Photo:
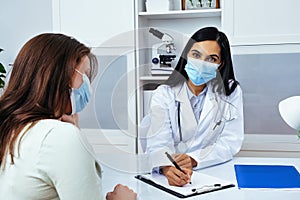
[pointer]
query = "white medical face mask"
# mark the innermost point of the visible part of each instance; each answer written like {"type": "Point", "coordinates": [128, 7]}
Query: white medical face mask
{"type": "Point", "coordinates": [200, 71]}
{"type": "Point", "coordinates": [81, 96]}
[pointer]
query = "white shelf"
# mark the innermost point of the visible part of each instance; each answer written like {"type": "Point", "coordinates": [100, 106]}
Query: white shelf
{"type": "Point", "coordinates": [181, 14]}
{"type": "Point", "coordinates": [154, 78]}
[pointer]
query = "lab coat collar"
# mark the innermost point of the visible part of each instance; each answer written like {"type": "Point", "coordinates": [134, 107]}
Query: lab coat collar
{"type": "Point", "coordinates": [180, 92]}
{"type": "Point", "coordinates": [189, 120]}
{"type": "Point", "coordinates": [189, 125]}
{"type": "Point", "coordinates": [210, 103]}
{"type": "Point", "coordinates": [191, 95]}
{"type": "Point", "coordinates": [182, 97]}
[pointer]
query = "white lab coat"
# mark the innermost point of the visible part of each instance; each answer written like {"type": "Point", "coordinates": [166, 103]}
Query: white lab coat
{"type": "Point", "coordinates": [208, 142]}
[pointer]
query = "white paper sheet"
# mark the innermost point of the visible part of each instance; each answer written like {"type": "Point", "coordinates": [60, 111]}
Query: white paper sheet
{"type": "Point", "coordinates": [199, 183]}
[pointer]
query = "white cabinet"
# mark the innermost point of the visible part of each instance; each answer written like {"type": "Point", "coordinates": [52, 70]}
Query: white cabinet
{"type": "Point", "coordinates": [94, 21]}
{"type": "Point", "coordinates": [265, 40]}
{"type": "Point", "coordinates": [258, 22]}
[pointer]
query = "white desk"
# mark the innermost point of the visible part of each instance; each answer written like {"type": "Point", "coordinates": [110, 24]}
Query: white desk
{"type": "Point", "coordinates": [131, 165]}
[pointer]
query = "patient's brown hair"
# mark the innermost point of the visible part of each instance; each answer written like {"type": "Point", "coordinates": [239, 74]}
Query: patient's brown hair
{"type": "Point", "coordinates": [39, 87]}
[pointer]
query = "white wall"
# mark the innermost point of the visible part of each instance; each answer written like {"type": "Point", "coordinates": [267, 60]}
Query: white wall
{"type": "Point", "coordinates": [19, 21]}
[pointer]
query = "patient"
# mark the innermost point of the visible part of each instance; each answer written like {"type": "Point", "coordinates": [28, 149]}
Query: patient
{"type": "Point", "coordinates": [43, 154]}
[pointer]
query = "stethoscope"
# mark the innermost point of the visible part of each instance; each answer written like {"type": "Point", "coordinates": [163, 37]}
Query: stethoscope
{"type": "Point", "coordinates": [179, 124]}
{"type": "Point", "coordinates": [182, 146]}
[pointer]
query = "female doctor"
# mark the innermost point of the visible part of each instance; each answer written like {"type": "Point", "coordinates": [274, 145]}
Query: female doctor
{"type": "Point", "coordinates": [197, 115]}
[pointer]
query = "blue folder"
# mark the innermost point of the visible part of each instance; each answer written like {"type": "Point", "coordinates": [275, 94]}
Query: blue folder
{"type": "Point", "coordinates": [267, 176]}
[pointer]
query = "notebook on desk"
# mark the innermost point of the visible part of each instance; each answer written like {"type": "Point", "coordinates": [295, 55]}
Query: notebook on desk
{"type": "Point", "coordinates": [267, 176]}
{"type": "Point", "coordinates": [201, 183]}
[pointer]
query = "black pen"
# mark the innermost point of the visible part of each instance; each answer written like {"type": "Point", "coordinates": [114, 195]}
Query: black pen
{"type": "Point", "coordinates": [174, 163]}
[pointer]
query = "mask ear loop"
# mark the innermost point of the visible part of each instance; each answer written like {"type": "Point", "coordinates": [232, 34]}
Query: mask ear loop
{"type": "Point", "coordinates": [89, 78]}
{"type": "Point", "coordinates": [79, 72]}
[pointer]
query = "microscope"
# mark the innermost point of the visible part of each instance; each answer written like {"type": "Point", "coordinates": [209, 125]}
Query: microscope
{"type": "Point", "coordinates": [163, 54]}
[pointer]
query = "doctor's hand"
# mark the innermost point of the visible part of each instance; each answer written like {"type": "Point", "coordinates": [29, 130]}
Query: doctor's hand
{"type": "Point", "coordinates": [176, 177]}
{"type": "Point", "coordinates": [184, 161]}
{"type": "Point", "coordinates": [121, 192]}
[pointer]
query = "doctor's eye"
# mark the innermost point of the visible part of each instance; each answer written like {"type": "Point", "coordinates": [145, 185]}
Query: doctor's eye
{"type": "Point", "coordinates": [195, 54]}
{"type": "Point", "coordinates": [211, 59]}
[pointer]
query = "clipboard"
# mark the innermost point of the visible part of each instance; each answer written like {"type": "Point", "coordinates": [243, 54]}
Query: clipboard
{"type": "Point", "coordinates": [267, 176]}
{"type": "Point", "coordinates": [201, 184]}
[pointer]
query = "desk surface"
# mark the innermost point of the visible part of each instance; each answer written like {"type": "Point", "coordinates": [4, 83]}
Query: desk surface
{"type": "Point", "coordinates": [122, 169]}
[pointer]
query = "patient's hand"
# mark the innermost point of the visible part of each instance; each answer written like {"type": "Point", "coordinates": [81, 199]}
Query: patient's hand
{"type": "Point", "coordinates": [73, 119]}
{"type": "Point", "coordinates": [121, 192]}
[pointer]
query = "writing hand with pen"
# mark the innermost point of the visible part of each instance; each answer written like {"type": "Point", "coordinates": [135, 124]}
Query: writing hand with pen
{"type": "Point", "coordinates": [181, 173]}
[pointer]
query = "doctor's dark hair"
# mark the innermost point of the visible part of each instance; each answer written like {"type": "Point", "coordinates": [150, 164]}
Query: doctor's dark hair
{"type": "Point", "coordinates": [40, 85]}
{"type": "Point", "coordinates": [179, 75]}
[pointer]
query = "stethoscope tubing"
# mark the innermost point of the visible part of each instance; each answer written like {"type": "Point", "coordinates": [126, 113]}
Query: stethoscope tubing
{"type": "Point", "coordinates": [179, 124]}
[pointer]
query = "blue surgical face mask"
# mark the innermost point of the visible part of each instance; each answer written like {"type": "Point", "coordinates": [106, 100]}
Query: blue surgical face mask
{"type": "Point", "coordinates": [200, 71]}
{"type": "Point", "coordinates": [82, 95]}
